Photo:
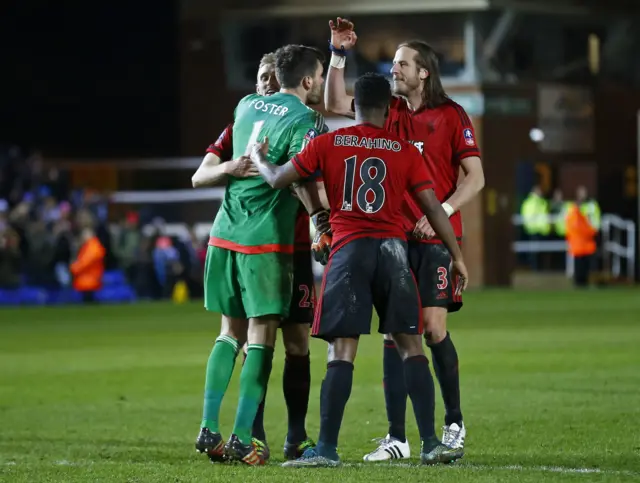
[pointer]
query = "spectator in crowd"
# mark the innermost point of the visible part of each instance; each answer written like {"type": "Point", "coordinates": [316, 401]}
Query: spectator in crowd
{"type": "Point", "coordinates": [581, 243]}
{"type": "Point", "coordinates": [167, 264]}
{"type": "Point", "coordinates": [125, 245]}
{"type": "Point", "coordinates": [10, 257]}
{"type": "Point", "coordinates": [63, 244]}
{"type": "Point", "coordinates": [88, 269]}
{"type": "Point", "coordinates": [535, 221]}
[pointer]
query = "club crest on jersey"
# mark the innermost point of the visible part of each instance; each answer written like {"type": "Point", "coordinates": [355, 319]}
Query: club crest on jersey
{"type": "Point", "coordinates": [468, 137]}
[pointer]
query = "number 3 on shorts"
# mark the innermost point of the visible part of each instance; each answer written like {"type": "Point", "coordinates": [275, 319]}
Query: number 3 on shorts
{"type": "Point", "coordinates": [443, 279]}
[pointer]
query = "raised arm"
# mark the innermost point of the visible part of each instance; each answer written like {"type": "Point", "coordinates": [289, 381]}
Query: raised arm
{"type": "Point", "coordinates": [336, 99]}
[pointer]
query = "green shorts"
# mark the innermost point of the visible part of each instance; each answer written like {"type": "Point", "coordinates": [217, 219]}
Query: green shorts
{"type": "Point", "coordinates": [246, 286]}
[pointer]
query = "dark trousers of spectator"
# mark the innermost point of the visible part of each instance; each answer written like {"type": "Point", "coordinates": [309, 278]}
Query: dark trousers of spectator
{"type": "Point", "coordinates": [581, 270]}
{"type": "Point", "coordinates": [88, 297]}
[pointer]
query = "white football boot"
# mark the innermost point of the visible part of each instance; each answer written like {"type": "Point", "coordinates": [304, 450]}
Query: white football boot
{"type": "Point", "coordinates": [453, 436]}
{"type": "Point", "coordinates": [389, 449]}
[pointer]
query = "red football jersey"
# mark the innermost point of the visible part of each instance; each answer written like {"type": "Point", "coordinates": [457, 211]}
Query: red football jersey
{"type": "Point", "coordinates": [223, 148]}
{"type": "Point", "coordinates": [366, 172]}
{"type": "Point", "coordinates": [445, 136]}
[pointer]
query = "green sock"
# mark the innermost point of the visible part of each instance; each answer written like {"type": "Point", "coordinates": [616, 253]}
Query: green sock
{"type": "Point", "coordinates": [219, 372]}
{"type": "Point", "coordinates": [253, 384]}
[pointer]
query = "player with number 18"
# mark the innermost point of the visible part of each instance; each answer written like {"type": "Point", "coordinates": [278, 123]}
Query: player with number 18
{"type": "Point", "coordinates": [367, 171]}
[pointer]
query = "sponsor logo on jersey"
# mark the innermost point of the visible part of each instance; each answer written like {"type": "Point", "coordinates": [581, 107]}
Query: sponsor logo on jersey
{"type": "Point", "coordinates": [468, 137]}
{"type": "Point", "coordinates": [419, 145]}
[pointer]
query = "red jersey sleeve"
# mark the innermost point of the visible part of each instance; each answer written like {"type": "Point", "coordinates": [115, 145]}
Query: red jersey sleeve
{"type": "Point", "coordinates": [307, 162]}
{"type": "Point", "coordinates": [419, 177]}
{"type": "Point", "coordinates": [223, 147]}
{"type": "Point", "coordinates": [463, 142]}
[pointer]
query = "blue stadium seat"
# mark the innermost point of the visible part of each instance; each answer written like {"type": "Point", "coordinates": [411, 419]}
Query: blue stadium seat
{"type": "Point", "coordinates": [113, 278]}
{"type": "Point", "coordinates": [33, 296]}
{"type": "Point", "coordinates": [65, 296]}
{"type": "Point", "coordinates": [9, 297]}
{"type": "Point", "coordinates": [118, 294]}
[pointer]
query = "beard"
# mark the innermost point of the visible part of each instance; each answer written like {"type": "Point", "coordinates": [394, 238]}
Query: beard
{"type": "Point", "coordinates": [404, 87]}
{"type": "Point", "coordinates": [314, 96]}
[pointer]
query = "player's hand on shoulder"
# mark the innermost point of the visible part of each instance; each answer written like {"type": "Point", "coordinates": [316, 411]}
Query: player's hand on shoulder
{"type": "Point", "coordinates": [423, 229]}
{"type": "Point", "coordinates": [460, 274]}
{"type": "Point", "coordinates": [242, 167]}
{"type": "Point", "coordinates": [342, 33]}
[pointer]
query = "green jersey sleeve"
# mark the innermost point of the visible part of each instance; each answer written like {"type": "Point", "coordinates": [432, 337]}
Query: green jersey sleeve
{"type": "Point", "coordinates": [304, 131]}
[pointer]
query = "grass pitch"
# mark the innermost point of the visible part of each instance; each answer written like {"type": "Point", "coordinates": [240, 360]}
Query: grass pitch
{"type": "Point", "coordinates": [550, 391]}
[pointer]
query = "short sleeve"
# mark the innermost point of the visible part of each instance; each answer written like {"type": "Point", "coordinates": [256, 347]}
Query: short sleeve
{"type": "Point", "coordinates": [223, 147]}
{"type": "Point", "coordinates": [419, 176]}
{"type": "Point", "coordinates": [307, 162]}
{"type": "Point", "coordinates": [463, 142]}
{"type": "Point", "coordinates": [305, 131]}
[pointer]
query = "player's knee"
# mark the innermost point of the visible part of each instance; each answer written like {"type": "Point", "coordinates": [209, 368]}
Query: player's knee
{"type": "Point", "coordinates": [435, 324]}
{"type": "Point", "coordinates": [408, 345]}
{"type": "Point", "coordinates": [263, 330]}
{"type": "Point", "coordinates": [388, 337]}
{"type": "Point", "coordinates": [343, 349]}
{"type": "Point", "coordinates": [234, 327]}
{"type": "Point", "coordinates": [296, 339]}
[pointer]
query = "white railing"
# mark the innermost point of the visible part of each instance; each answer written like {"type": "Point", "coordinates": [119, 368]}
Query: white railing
{"type": "Point", "coordinates": [614, 252]}
{"type": "Point", "coordinates": [613, 227]}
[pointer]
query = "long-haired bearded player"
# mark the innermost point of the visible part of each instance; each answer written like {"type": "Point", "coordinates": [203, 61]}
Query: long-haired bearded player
{"type": "Point", "coordinates": [423, 114]}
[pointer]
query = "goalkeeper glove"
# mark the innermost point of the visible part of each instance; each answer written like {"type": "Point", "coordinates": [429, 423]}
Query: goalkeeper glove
{"type": "Point", "coordinates": [321, 246]}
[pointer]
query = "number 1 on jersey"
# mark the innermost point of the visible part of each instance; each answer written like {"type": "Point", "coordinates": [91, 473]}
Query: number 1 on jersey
{"type": "Point", "coordinates": [370, 183]}
{"type": "Point", "coordinates": [257, 126]}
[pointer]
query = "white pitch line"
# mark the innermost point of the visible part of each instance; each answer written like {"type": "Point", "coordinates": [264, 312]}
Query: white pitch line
{"type": "Point", "coordinates": [473, 466]}
{"type": "Point", "coordinates": [453, 467]}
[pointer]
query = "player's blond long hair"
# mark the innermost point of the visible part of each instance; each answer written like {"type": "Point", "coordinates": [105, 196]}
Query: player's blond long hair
{"type": "Point", "coordinates": [268, 59]}
{"type": "Point", "coordinates": [433, 93]}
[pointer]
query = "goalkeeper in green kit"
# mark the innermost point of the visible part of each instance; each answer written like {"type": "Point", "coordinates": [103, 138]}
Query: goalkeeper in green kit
{"type": "Point", "coordinates": [249, 265]}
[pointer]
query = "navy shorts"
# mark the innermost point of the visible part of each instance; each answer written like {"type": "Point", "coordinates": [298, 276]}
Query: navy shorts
{"type": "Point", "coordinates": [363, 274]}
{"type": "Point", "coordinates": [304, 290]}
{"type": "Point", "coordinates": [431, 265]}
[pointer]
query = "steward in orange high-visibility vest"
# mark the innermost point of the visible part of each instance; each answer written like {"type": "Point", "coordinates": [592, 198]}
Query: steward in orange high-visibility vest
{"type": "Point", "coordinates": [88, 268]}
{"type": "Point", "coordinates": [581, 244]}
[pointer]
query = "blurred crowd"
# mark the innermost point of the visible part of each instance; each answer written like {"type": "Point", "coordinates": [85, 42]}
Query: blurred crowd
{"type": "Point", "coordinates": [54, 237]}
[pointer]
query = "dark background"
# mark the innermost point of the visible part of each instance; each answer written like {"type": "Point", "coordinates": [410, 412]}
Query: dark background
{"type": "Point", "coordinates": [91, 78]}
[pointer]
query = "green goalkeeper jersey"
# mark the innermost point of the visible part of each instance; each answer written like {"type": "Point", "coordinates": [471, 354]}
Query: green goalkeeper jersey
{"type": "Point", "coordinates": [255, 218]}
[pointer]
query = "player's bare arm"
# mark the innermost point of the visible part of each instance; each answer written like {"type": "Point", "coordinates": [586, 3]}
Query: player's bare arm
{"type": "Point", "coordinates": [470, 186]}
{"type": "Point", "coordinates": [336, 99]}
{"type": "Point", "coordinates": [214, 172]}
{"type": "Point", "coordinates": [309, 195]}
{"type": "Point", "coordinates": [322, 193]}
{"type": "Point", "coordinates": [276, 176]}
{"type": "Point", "coordinates": [439, 220]}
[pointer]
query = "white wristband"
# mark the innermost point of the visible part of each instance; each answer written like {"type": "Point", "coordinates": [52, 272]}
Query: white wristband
{"type": "Point", "coordinates": [448, 209]}
{"type": "Point", "coordinates": [338, 61]}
